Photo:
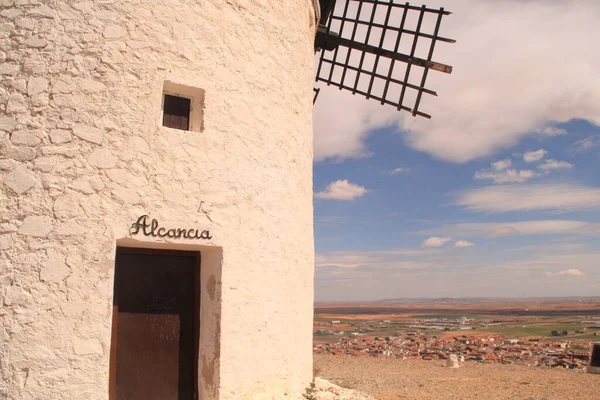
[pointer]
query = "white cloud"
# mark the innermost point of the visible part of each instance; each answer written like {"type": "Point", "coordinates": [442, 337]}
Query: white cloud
{"type": "Point", "coordinates": [498, 93]}
{"type": "Point", "coordinates": [383, 259]}
{"type": "Point", "coordinates": [506, 176]}
{"type": "Point", "coordinates": [399, 170]}
{"type": "Point", "coordinates": [555, 164]}
{"type": "Point", "coordinates": [560, 197]}
{"type": "Point", "coordinates": [342, 190]}
{"type": "Point", "coordinates": [342, 122]}
{"type": "Point", "coordinates": [586, 144]}
{"type": "Point", "coordinates": [533, 156]}
{"type": "Point", "coordinates": [501, 165]}
{"type": "Point", "coordinates": [463, 243]}
{"type": "Point", "coordinates": [551, 131]}
{"type": "Point", "coordinates": [340, 261]}
{"type": "Point", "coordinates": [502, 229]}
{"type": "Point", "coordinates": [566, 272]}
{"type": "Point", "coordinates": [500, 173]}
{"type": "Point", "coordinates": [555, 260]}
{"type": "Point", "coordinates": [371, 275]}
{"type": "Point", "coordinates": [553, 246]}
{"type": "Point", "coordinates": [435, 241]}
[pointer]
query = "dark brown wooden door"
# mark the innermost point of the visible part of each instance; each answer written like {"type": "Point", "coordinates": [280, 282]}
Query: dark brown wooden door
{"type": "Point", "coordinates": [595, 360]}
{"type": "Point", "coordinates": [155, 330]}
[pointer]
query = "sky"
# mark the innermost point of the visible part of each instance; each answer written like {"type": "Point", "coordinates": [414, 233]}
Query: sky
{"type": "Point", "coordinates": [498, 194]}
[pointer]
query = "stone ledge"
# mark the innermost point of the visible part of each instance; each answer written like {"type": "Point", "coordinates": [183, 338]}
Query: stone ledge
{"type": "Point", "coordinates": [592, 370]}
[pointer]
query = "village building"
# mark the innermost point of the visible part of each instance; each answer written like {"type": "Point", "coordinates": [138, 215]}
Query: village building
{"type": "Point", "coordinates": [156, 237]}
{"type": "Point", "coordinates": [524, 351]}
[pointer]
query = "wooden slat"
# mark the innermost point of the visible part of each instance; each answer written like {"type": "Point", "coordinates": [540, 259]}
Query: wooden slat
{"type": "Point", "coordinates": [176, 112]}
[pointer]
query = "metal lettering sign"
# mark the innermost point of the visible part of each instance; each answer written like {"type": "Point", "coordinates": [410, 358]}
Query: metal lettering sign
{"type": "Point", "coordinates": [150, 227]}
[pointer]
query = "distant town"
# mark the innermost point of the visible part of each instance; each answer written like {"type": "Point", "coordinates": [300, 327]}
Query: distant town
{"type": "Point", "coordinates": [545, 340]}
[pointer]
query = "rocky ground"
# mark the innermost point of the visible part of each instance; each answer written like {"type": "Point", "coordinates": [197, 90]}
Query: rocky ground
{"type": "Point", "coordinates": [391, 379]}
{"type": "Point", "coordinates": [325, 390]}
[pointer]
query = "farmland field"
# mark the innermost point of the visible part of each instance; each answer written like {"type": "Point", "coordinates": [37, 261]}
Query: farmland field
{"type": "Point", "coordinates": [509, 318]}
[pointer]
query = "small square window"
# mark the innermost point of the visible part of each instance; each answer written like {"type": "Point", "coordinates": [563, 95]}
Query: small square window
{"type": "Point", "coordinates": [182, 107]}
{"type": "Point", "coordinates": [176, 112]}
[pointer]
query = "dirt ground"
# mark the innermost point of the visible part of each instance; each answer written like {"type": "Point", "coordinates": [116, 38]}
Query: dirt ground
{"type": "Point", "coordinates": [392, 379]}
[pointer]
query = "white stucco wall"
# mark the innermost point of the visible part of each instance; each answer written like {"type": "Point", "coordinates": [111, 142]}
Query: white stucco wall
{"type": "Point", "coordinates": [82, 155]}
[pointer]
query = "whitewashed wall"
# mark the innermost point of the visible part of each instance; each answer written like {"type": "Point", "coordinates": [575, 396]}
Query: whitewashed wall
{"type": "Point", "coordinates": [82, 155]}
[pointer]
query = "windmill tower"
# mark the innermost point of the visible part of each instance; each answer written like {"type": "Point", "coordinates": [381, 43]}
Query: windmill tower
{"type": "Point", "coordinates": [156, 235]}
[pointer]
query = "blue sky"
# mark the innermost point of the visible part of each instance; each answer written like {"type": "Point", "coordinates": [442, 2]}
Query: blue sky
{"type": "Point", "coordinates": [497, 195]}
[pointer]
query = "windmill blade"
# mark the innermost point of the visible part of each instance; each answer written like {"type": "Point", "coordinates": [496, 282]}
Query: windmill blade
{"type": "Point", "coordinates": [360, 43]}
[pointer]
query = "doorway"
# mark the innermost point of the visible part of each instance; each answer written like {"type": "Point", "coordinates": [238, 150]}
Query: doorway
{"type": "Point", "coordinates": [595, 359]}
{"type": "Point", "coordinates": [155, 330]}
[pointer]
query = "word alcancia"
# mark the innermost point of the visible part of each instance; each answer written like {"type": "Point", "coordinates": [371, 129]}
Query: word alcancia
{"type": "Point", "coordinates": [151, 228]}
